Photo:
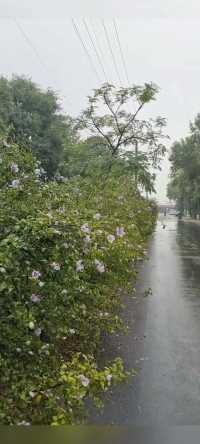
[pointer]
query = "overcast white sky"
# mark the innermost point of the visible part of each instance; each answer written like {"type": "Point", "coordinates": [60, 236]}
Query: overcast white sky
{"type": "Point", "coordinates": [160, 40]}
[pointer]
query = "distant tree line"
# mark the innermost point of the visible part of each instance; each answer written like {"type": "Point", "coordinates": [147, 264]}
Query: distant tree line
{"type": "Point", "coordinates": [184, 185]}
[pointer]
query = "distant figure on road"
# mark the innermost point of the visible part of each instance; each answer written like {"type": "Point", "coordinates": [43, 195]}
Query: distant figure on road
{"type": "Point", "coordinates": [164, 226]}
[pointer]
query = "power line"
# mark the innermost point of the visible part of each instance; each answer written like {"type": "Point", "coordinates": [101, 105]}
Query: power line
{"type": "Point", "coordinates": [95, 49]}
{"type": "Point", "coordinates": [111, 52]}
{"type": "Point", "coordinates": [97, 41]}
{"type": "Point", "coordinates": [30, 43]}
{"type": "Point", "coordinates": [121, 51]}
{"type": "Point", "coordinates": [77, 31]}
{"type": "Point", "coordinates": [34, 49]}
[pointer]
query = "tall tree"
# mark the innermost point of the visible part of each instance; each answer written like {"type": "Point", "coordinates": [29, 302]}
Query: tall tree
{"type": "Point", "coordinates": [32, 117]}
{"type": "Point", "coordinates": [120, 130]}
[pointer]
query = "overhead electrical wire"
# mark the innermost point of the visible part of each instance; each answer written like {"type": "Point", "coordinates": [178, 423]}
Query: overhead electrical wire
{"type": "Point", "coordinates": [111, 52]}
{"type": "Point", "coordinates": [95, 49]}
{"type": "Point", "coordinates": [99, 46]}
{"type": "Point", "coordinates": [78, 33]}
{"type": "Point", "coordinates": [30, 43]}
{"type": "Point", "coordinates": [121, 51]}
{"type": "Point", "coordinates": [34, 49]}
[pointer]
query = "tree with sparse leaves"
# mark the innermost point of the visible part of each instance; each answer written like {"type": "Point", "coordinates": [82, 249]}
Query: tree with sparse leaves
{"type": "Point", "coordinates": [121, 130]}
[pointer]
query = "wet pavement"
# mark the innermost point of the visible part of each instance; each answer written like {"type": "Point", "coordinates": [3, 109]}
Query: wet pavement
{"type": "Point", "coordinates": [163, 342]}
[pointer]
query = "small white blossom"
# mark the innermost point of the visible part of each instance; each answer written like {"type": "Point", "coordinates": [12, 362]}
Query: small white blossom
{"type": "Point", "coordinates": [97, 216]}
{"type": "Point", "coordinates": [65, 245]}
{"type": "Point", "coordinates": [31, 325]}
{"type": "Point", "coordinates": [15, 183]}
{"type": "Point", "coordinates": [36, 274]}
{"type": "Point", "coordinates": [32, 394]}
{"type": "Point", "coordinates": [18, 350]}
{"type": "Point", "coordinates": [79, 266]}
{"type": "Point", "coordinates": [72, 331]}
{"type": "Point", "coordinates": [84, 380]}
{"type": "Point", "coordinates": [109, 378]}
{"type": "Point", "coordinates": [111, 238]}
{"type": "Point", "coordinates": [37, 172]}
{"type": "Point", "coordinates": [30, 353]}
{"type": "Point", "coordinates": [35, 298]}
{"type": "Point", "coordinates": [120, 232]}
{"type": "Point", "coordinates": [64, 291]}
{"type": "Point", "coordinates": [87, 239]}
{"type": "Point", "coordinates": [38, 331]}
{"type": "Point", "coordinates": [2, 270]}
{"type": "Point", "coordinates": [14, 167]}
{"type": "Point", "coordinates": [55, 266]}
{"type": "Point", "coordinates": [85, 228]}
{"type": "Point", "coordinates": [99, 266]}
{"type": "Point", "coordinates": [41, 284]}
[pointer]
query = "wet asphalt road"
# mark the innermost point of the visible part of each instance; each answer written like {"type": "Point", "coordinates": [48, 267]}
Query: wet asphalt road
{"type": "Point", "coordinates": [163, 343]}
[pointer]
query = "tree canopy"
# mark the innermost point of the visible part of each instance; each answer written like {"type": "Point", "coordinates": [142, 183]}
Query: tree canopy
{"type": "Point", "coordinates": [184, 185]}
{"type": "Point", "coordinates": [32, 117]}
{"type": "Point", "coordinates": [135, 142]}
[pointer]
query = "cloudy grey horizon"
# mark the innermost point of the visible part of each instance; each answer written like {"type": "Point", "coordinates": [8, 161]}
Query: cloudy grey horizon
{"type": "Point", "coordinates": [162, 47]}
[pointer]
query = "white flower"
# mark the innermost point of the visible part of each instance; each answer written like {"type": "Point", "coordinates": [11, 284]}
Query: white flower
{"type": "Point", "coordinates": [97, 216]}
{"type": "Point", "coordinates": [111, 238]}
{"type": "Point", "coordinates": [65, 245]}
{"type": "Point", "coordinates": [32, 394]}
{"type": "Point", "coordinates": [35, 298]}
{"type": "Point", "coordinates": [87, 239]}
{"type": "Point", "coordinates": [72, 331]}
{"type": "Point", "coordinates": [2, 270]}
{"type": "Point", "coordinates": [85, 228]}
{"type": "Point", "coordinates": [84, 380]}
{"type": "Point", "coordinates": [36, 274]}
{"type": "Point", "coordinates": [55, 266]}
{"type": "Point", "coordinates": [79, 266]}
{"type": "Point", "coordinates": [99, 266]}
{"type": "Point", "coordinates": [37, 172]}
{"type": "Point", "coordinates": [109, 378]}
{"type": "Point", "coordinates": [31, 325]}
{"type": "Point", "coordinates": [15, 183]}
{"type": "Point", "coordinates": [120, 232]}
{"type": "Point", "coordinates": [38, 331]}
{"type": "Point", "coordinates": [41, 284]}
{"type": "Point", "coordinates": [14, 167]}
{"type": "Point", "coordinates": [18, 350]}
{"type": "Point", "coordinates": [30, 353]}
{"type": "Point", "coordinates": [64, 291]}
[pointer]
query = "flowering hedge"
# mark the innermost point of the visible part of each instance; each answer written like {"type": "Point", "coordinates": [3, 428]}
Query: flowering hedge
{"type": "Point", "coordinates": [67, 250]}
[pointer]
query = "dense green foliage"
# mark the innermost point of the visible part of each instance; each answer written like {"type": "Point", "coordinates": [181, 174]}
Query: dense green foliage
{"type": "Point", "coordinates": [31, 117]}
{"type": "Point", "coordinates": [184, 186]}
{"type": "Point", "coordinates": [67, 251]}
{"type": "Point", "coordinates": [72, 228]}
